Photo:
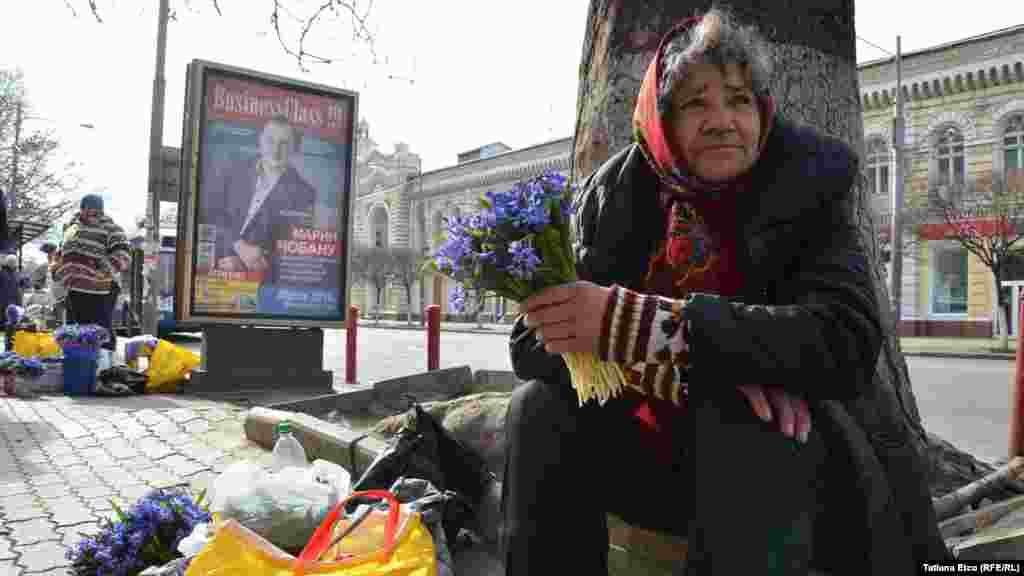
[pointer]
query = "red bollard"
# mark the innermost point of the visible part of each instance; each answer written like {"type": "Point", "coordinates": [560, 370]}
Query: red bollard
{"type": "Point", "coordinates": [433, 337]}
{"type": "Point", "coordinates": [350, 344]}
{"type": "Point", "coordinates": [1017, 400]}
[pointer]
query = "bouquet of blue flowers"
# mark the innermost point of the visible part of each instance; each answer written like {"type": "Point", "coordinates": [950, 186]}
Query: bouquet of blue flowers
{"type": "Point", "coordinates": [145, 535]}
{"type": "Point", "coordinates": [90, 336]}
{"type": "Point", "coordinates": [515, 246]}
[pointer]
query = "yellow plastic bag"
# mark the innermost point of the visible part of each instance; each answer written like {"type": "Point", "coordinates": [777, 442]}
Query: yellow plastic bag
{"type": "Point", "coordinates": [395, 543]}
{"type": "Point", "coordinates": [36, 344]}
{"type": "Point", "coordinates": [169, 365]}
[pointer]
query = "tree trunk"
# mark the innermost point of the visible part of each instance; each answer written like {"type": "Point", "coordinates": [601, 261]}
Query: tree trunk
{"type": "Point", "coordinates": [408, 302]}
{"type": "Point", "coordinates": [1002, 312]}
{"type": "Point", "coordinates": [816, 84]}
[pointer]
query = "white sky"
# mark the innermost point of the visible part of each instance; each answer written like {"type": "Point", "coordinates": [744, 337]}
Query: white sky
{"type": "Point", "coordinates": [483, 70]}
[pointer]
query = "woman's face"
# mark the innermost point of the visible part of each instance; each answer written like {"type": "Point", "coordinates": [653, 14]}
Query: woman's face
{"type": "Point", "coordinates": [715, 122]}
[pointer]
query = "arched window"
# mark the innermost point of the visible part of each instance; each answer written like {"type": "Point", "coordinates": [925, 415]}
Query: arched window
{"type": "Point", "coordinates": [380, 227]}
{"type": "Point", "coordinates": [1013, 153]}
{"type": "Point", "coordinates": [949, 153]}
{"type": "Point", "coordinates": [878, 167]}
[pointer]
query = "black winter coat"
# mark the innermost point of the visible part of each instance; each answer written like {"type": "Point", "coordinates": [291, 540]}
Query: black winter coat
{"type": "Point", "coordinates": [807, 319]}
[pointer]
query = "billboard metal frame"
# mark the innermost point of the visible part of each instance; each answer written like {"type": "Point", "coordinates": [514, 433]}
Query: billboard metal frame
{"type": "Point", "coordinates": [189, 201]}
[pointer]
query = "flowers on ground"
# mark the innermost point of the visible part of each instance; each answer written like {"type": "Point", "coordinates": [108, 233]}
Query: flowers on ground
{"type": "Point", "coordinates": [24, 367]}
{"type": "Point", "coordinates": [515, 246]}
{"type": "Point", "coordinates": [145, 535]}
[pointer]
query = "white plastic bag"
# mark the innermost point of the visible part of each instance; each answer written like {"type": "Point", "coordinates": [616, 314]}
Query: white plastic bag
{"type": "Point", "coordinates": [284, 507]}
{"type": "Point", "coordinates": [193, 543]}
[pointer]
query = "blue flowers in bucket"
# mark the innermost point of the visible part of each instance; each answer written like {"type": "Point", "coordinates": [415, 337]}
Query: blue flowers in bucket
{"type": "Point", "coordinates": [14, 314]}
{"type": "Point", "coordinates": [145, 535]}
{"type": "Point", "coordinates": [515, 246]}
{"type": "Point", "coordinates": [81, 336]}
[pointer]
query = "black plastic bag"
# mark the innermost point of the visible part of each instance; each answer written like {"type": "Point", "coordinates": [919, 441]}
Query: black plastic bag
{"type": "Point", "coordinates": [427, 451]}
{"type": "Point", "coordinates": [121, 380]}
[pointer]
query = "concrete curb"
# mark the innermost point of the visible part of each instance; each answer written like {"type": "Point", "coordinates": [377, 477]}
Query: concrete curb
{"type": "Point", "coordinates": [417, 328]}
{"type": "Point", "coordinates": [963, 355]}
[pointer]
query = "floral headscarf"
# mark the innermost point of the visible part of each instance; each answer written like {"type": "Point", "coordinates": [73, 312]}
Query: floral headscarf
{"type": "Point", "coordinates": [650, 119]}
{"type": "Point", "coordinates": [688, 257]}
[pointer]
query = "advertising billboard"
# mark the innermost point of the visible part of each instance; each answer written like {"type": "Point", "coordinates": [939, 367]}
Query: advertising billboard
{"type": "Point", "coordinates": [264, 218]}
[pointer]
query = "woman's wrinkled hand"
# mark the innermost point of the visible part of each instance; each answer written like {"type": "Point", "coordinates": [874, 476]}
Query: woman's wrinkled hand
{"type": "Point", "coordinates": [567, 317]}
{"type": "Point", "coordinates": [791, 412]}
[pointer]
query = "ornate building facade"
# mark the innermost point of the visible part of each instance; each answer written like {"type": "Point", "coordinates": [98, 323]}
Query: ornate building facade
{"type": "Point", "coordinates": [964, 118]}
{"type": "Point", "coordinates": [396, 205]}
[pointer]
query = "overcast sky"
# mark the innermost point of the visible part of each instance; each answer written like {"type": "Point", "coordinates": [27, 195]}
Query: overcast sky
{"type": "Point", "coordinates": [465, 72]}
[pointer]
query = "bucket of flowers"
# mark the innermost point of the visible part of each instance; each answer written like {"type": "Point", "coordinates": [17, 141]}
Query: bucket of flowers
{"type": "Point", "coordinates": [81, 344]}
{"type": "Point", "coordinates": [142, 536]}
{"type": "Point", "coordinates": [515, 246]}
{"type": "Point", "coordinates": [16, 370]}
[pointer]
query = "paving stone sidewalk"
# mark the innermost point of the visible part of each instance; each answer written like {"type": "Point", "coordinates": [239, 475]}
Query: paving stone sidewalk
{"type": "Point", "coordinates": [62, 461]}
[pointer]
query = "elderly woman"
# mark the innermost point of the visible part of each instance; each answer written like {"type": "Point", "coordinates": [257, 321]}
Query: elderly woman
{"type": "Point", "coordinates": [723, 267]}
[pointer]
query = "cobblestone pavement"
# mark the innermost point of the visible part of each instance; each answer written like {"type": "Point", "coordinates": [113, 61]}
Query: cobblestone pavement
{"type": "Point", "coordinates": [62, 461]}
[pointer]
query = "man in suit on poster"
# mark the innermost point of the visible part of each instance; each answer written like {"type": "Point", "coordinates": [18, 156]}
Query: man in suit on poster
{"type": "Point", "coordinates": [250, 199]}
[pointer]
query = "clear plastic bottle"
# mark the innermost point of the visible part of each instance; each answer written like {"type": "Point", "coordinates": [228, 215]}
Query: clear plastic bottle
{"type": "Point", "coordinates": [287, 450]}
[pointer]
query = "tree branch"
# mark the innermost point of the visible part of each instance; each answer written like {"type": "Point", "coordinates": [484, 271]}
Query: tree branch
{"type": "Point", "coordinates": [360, 30]}
{"type": "Point", "coordinates": [95, 11]}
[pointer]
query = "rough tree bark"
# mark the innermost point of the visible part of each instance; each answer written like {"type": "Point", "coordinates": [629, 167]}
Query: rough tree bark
{"type": "Point", "coordinates": [815, 82]}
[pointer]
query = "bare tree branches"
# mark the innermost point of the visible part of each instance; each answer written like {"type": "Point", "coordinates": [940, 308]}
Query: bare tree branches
{"type": "Point", "coordinates": [42, 189]}
{"type": "Point", "coordinates": [360, 28]}
{"type": "Point", "coordinates": [297, 44]}
{"type": "Point", "coordinates": [95, 11]}
{"type": "Point", "coordinates": [70, 7]}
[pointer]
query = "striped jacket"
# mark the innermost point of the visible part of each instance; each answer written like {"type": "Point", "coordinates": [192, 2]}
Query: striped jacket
{"type": "Point", "coordinates": [92, 254]}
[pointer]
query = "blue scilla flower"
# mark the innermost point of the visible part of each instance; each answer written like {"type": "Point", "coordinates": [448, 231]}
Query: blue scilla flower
{"type": "Point", "coordinates": [524, 259]}
{"type": "Point", "coordinates": [457, 298]}
{"type": "Point", "coordinates": [457, 249]}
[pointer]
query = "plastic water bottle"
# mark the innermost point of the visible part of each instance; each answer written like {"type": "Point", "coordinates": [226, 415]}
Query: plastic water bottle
{"type": "Point", "coordinates": [287, 450]}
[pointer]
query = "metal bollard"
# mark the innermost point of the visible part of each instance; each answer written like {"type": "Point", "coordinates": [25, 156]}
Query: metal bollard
{"type": "Point", "coordinates": [433, 337]}
{"type": "Point", "coordinates": [351, 330]}
{"type": "Point", "coordinates": [1017, 399]}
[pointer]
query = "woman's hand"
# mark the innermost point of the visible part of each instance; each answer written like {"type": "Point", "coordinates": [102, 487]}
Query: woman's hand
{"type": "Point", "coordinates": [791, 412]}
{"type": "Point", "coordinates": [567, 318]}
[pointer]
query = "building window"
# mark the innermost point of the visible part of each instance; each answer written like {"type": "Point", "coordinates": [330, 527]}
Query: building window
{"type": "Point", "coordinates": [878, 167]}
{"type": "Point", "coordinates": [1013, 154]}
{"type": "Point", "coordinates": [950, 155]}
{"type": "Point", "coordinates": [949, 279]}
{"type": "Point", "coordinates": [378, 238]}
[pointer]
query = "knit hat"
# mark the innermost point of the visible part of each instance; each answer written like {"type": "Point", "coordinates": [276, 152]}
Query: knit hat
{"type": "Point", "coordinates": [92, 201]}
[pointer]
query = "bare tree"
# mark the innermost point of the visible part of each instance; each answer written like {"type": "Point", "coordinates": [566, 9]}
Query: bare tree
{"type": "Point", "coordinates": [373, 266]}
{"type": "Point", "coordinates": [293, 22]}
{"type": "Point", "coordinates": [986, 218]}
{"type": "Point", "coordinates": [28, 158]}
{"type": "Point", "coordinates": [407, 268]}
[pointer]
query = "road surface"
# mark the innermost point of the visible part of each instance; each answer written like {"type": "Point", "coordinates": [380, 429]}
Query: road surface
{"type": "Point", "coordinates": [963, 401]}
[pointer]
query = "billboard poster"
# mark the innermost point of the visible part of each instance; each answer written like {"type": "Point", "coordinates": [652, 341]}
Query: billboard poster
{"type": "Point", "coordinates": [271, 179]}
